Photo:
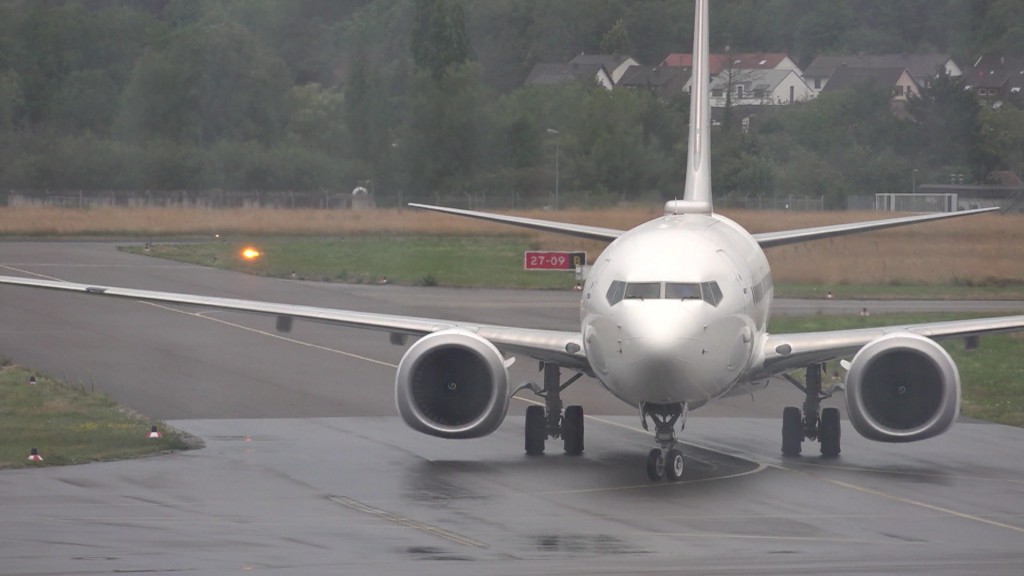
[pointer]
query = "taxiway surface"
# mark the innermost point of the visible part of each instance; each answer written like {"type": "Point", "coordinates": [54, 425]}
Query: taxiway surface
{"type": "Point", "coordinates": [307, 470]}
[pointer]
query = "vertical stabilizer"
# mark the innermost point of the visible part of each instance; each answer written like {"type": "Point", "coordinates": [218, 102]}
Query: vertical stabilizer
{"type": "Point", "coordinates": [697, 194]}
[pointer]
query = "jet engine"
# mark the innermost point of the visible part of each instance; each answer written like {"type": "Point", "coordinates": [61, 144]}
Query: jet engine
{"type": "Point", "coordinates": [902, 387]}
{"type": "Point", "coordinates": [452, 384]}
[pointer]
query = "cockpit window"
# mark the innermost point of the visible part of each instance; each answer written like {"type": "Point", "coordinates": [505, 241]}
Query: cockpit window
{"type": "Point", "coordinates": [712, 293]}
{"type": "Point", "coordinates": [709, 292]}
{"type": "Point", "coordinates": [615, 292]}
{"type": "Point", "coordinates": [679, 291]}
{"type": "Point", "coordinates": [643, 290]}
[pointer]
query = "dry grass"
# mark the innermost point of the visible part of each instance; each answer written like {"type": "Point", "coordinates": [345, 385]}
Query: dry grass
{"type": "Point", "coordinates": [981, 249]}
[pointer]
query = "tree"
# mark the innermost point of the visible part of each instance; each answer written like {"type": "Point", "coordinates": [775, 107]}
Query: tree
{"type": "Point", "coordinates": [211, 81]}
{"type": "Point", "coordinates": [439, 38]}
{"type": "Point", "coordinates": [367, 119]}
{"type": "Point", "coordinates": [947, 125]}
{"type": "Point", "coordinates": [616, 39]}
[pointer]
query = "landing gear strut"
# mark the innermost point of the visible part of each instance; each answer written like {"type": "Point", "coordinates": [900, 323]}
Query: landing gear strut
{"type": "Point", "coordinates": [548, 421]}
{"type": "Point", "coordinates": [814, 423]}
{"type": "Point", "coordinates": [666, 461]}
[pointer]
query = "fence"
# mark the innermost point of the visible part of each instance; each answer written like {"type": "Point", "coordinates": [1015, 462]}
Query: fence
{"type": "Point", "coordinates": [794, 203]}
{"type": "Point", "coordinates": [939, 202]}
{"type": "Point", "coordinates": [187, 199]}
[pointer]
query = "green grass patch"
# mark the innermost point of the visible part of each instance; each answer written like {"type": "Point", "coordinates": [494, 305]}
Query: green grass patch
{"type": "Point", "coordinates": [991, 289]}
{"type": "Point", "coordinates": [71, 426]}
{"type": "Point", "coordinates": [992, 375]}
{"type": "Point", "coordinates": [483, 262]}
{"type": "Point", "coordinates": [468, 261]}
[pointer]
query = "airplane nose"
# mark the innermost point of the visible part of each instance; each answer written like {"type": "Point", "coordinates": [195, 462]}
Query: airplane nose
{"type": "Point", "coordinates": [659, 348]}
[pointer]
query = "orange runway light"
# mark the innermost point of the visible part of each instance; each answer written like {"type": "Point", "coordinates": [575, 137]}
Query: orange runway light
{"type": "Point", "coordinates": [251, 253]}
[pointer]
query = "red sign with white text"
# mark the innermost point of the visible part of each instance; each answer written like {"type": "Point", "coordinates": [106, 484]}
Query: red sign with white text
{"type": "Point", "coordinates": [540, 260]}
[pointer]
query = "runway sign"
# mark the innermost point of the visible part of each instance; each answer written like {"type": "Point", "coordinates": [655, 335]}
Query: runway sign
{"type": "Point", "coordinates": [543, 260]}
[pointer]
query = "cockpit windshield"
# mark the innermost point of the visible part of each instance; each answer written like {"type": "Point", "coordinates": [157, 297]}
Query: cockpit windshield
{"type": "Point", "coordinates": [709, 292]}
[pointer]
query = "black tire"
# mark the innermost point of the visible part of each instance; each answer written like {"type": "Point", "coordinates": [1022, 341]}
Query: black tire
{"type": "Point", "coordinates": [572, 430]}
{"type": "Point", "coordinates": [674, 465]}
{"type": "Point", "coordinates": [792, 431]}
{"type": "Point", "coordinates": [829, 433]}
{"type": "Point", "coordinates": [536, 430]}
{"type": "Point", "coordinates": [655, 465]}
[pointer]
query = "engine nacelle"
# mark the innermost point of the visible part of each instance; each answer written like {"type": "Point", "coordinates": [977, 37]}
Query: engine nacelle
{"type": "Point", "coordinates": [452, 384]}
{"type": "Point", "coordinates": [902, 387]}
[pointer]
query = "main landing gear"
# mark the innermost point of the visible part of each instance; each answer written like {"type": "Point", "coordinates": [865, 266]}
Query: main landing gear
{"type": "Point", "coordinates": [548, 421]}
{"type": "Point", "coordinates": [814, 423]}
{"type": "Point", "coordinates": [667, 461]}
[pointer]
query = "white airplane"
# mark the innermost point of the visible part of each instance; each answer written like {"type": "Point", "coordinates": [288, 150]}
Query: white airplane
{"type": "Point", "coordinates": [674, 314]}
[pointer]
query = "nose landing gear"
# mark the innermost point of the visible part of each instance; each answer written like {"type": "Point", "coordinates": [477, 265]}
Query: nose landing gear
{"type": "Point", "coordinates": [666, 461]}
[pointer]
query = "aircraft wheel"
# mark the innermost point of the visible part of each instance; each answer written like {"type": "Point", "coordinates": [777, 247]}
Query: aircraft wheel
{"type": "Point", "coordinates": [655, 465]}
{"type": "Point", "coordinates": [572, 430]}
{"type": "Point", "coordinates": [792, 431]}
{"type": "Point", "coordinates": [536, 430]}
{"type": "Point", "coordinates": [674, 465]}
{"type": "Point", "coordinates": [829, 434]}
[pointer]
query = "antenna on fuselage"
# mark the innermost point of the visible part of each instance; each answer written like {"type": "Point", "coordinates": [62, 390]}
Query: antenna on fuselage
{"type": "Point", "coordinates": [697, 192]}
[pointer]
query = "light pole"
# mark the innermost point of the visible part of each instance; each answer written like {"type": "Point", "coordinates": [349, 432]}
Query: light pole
{"type": "Point", "coordinates": [555, 133]}
{"type": "Point", "coordinates": [913, 181]}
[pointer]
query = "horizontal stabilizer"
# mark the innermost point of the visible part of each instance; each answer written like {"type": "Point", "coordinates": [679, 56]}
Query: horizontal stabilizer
{"type": "Point", "coordinates": [578, 230]}
{"type": "Point", "coordinates": [770, 239]}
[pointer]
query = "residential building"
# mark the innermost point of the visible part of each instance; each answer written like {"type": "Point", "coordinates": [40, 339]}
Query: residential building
{"type": "Point", "coordinates": [759, 87]}
{"type": "Point", "coordinates": [546, 73]}
{"type": "Point", "coordinates": [666, 82]}
{"type": "Point", "coordinates": [615, 64]}
{"type": "Point", "coordinates": [898, 81]}
{"type": "Point", "coordinates": [997, 79]}
{"type": "Point", "coordinates": [922, 67]}
{"type": "Point", "coordinates": [742, 61]}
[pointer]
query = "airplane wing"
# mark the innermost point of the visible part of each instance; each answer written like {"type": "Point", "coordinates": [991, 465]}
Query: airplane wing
{"type": "Point", "coordinates": [770, 239]}
{"type": "Point", "coordinates": [783, 352]}
{"type": "Point", "coordinates": [579, 230]}
{"type": "Point", "coordinates": [563, 348]}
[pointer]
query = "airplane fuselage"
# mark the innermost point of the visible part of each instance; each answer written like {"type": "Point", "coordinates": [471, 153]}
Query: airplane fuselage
{"type": "Point", "coordinates": [673, 310]}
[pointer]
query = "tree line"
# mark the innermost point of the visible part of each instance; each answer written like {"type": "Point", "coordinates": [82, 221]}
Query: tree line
{"type": "Point", "coordinates": [422, 99]}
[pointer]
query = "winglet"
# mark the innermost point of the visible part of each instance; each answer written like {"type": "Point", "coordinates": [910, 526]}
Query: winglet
{"type": "Point", "coordinates": [697, 193]}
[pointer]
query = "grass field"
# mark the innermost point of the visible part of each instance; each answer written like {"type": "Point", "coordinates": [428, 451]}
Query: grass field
{"type": "Point", "coordinates": [975, 254]}
{"type": "Point", "coordinates": [71, 426]}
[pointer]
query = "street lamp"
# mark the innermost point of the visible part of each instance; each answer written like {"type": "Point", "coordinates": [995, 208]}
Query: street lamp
{"type": "Point", "coordinates": [913, 181]}
{"type": "Point", "coordinates": [555, 133]}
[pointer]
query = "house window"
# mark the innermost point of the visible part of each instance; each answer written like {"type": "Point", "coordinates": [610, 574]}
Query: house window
{"type": "Point", "coordinates": [739, 90]}
{"type": "Point", "coordinates": [817, 83]}
{"type": "Point", "coordinates": [716, 92]}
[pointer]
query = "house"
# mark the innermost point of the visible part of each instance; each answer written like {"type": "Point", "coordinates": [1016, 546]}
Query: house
{"type": "Point", "coordinates": [547, 73]}
{"type": "Point", "coordinates": [922, 67]}
{"type": "Point", "coordinates": [615, 64]}
{"type": "Point", "coordinates": [745, 61]}
{"type": "Point", "coordinates": [666, 82]}
{"type": "Point", "coordinates": [897, 80]}
{"type": "Point", "coordinates": [997, 79]}
{"type": "Point", "coordinates": [759, 87]}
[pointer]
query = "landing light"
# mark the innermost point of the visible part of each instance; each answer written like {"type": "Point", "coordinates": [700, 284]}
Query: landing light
{"type": "Point", "coordinates": [251, 253]}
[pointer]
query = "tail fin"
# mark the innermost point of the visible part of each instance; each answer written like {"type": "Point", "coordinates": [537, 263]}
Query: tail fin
{"type": "Point", "coordinates": [697, 194]}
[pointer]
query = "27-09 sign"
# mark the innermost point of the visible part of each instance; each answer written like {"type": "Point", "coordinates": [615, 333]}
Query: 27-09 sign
{"type": "Point", "coordinates": [542, 260]}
